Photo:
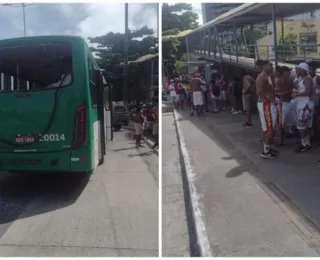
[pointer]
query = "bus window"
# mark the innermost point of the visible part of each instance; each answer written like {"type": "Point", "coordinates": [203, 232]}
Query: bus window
{"type": "Point", "coordinates": [93, 83]}
{"type": "Point", "coordinates": [23, 84]}
{"type": "Point", "coordinates": [7, 82]}
{"type": "Point", "coordinates": [1, 81]}
{"type": "Point", "coordinates": [47, 65]}
{"type": "Point", "coordinates": [106, 94]}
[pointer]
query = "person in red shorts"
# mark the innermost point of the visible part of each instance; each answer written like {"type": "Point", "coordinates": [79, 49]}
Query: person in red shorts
{"type": "Point", "coordinates": [266, 107]}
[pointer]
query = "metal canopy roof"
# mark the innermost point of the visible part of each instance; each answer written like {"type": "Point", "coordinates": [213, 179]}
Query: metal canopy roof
{"type": "Point", "coordinates": [255, 13]}
{"type": "Point", "coordinates": [142, 58]}
{"type": "Point", "coordinates": [145, 58]}
{"type": "Point", "coordinates": [179, 35]}
{"type": "Point", "coordinates": [197, 62]}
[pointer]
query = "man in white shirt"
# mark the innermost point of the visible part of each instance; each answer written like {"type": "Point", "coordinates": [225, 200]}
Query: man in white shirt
{"type": "Point", "coordinates": [305, 106]}
{"type": "Point", "coordinates": [197, 94]}
{"type": "Point", "coordinates": [173, 94]}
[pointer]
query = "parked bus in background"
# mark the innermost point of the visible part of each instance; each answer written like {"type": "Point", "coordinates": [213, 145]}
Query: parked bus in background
{"type": "Point", "coordinates": [52, 105]}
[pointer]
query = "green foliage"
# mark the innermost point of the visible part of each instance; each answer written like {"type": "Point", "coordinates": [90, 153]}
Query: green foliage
{"type": "Point", "coordinates": [178, 16]}
{"type": "Point", "coordinates": [288, 47]}
{"type": "Point", "coordinates": [175, 18]}
{"type": "Point", "coordinates": [110, 55]}
{"type": "Point", "coordinates": [258, 34]}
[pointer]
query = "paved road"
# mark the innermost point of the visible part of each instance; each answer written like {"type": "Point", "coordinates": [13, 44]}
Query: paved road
{"type": "Point", "coordinates": [113, 212]}
{"type": "Point", "coordinates": [240, 215]}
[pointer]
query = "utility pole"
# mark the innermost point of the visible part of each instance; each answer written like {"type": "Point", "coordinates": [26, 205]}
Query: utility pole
{"type": "Point", "coordinates": [151, 86]}
{"type": "Point", "coordinates": [23, 5]}
{"type": "Point", "coordinates": [152, 61]}
{"type": "Point", "coordinates": [126, 47]}
{"type": "Point", "coordinates": [158, 4]}
{"type": "Point", "coordinates": [24, 19]}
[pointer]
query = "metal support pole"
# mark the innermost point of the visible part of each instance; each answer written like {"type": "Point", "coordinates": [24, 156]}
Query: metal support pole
{"type": "Point", "coordinates": [214, 44]}
{"type": "Point", "coordinates": [274, 25]}
{"type": "Point", "coordinates": [151, 85]}
{"type": "Point", "coordinates": [282, 31]}
{"type": "Point", "coordinates": [235, 39]}
{"type": "Point", "coordinates": [202, 45]}
{"type": "Point", "coordinates": [245, 40]}
{"type": "Point", "coordinates": [251, 42]}
{"type": "Point", "coordinates": [126, 47]}
{"type": "Point", "coordinates": [219, 46]}
{"type": "Point", "coordinates": [221, 42]}
{"type": "Point", "coordinates": [209, 41]}
{"type": "Point", "coordinates": [187, 47]}
{"type": "Point", "coordinates": [24, 19]}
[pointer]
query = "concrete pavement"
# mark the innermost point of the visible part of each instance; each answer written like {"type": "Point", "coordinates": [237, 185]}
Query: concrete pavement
{"type": "Point", "coordinates": [241, 215]}
{"type": "Point", "coordinates": [175, 231]}
{"type": "Point", "coordinates": [113, 212]}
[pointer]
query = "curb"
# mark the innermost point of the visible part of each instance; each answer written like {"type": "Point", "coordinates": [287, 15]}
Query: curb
{"type": "Point", "coordinates": [150, 144]}
{"type": "Point", "coordinates": [147, 141]}
{"type": "Point", "coordinates": [199, 241]}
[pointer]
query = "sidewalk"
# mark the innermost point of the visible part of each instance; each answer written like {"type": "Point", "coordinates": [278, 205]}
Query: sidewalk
{"type": "Point", "coordinates": [242, 216]}
{"type": "Point", "coordinates": [149, 141]}
{"type": "Point", "coordinates": [175, 236]}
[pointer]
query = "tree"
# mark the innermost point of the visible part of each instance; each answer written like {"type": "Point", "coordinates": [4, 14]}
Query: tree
{"type": "Point", "coordinates": [110, 57]}
{"type": "Point", "coordinates": [169, 55]}
{"type": "Point", "coordinates": [288, 47]}
{"type": "Point", "coordinates": [178, 16]}
{"type": "Point", "coordinates": [247, 40]}
{"type": "Point", "coordinates": [175, 19]}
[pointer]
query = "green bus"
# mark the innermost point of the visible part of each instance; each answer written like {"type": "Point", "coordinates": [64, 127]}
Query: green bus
{"type": "Point", "coordinates": [54, 106]}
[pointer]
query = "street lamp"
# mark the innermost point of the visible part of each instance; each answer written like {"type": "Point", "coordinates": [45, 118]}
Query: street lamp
{"type": "Point", "coordinates": [23, 5]}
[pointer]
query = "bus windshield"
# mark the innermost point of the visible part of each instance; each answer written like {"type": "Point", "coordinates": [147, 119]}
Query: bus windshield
{"type": "Point", "coordinates": [35, 66]}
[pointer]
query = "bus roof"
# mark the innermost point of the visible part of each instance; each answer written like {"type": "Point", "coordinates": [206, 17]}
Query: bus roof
{"type": "Point", "coordinates": [37, 39]}
{"type": "Point", "coordinates": [41, 38]}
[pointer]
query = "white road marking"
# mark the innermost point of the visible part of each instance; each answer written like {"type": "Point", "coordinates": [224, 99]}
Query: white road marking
{"type": "Point", "coordinates": [203, 240]}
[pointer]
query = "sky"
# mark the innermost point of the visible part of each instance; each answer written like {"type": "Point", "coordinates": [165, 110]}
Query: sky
{"type": "Point", "coordinates": [84, 19]}
{"type": "Point", "coordinates": [197, 9]}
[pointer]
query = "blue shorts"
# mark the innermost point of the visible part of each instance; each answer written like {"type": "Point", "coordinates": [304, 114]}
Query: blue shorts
{"type": "Point", "coordinates": [173, 98]}
{"type": "Point", "coordinates": [181, 97]}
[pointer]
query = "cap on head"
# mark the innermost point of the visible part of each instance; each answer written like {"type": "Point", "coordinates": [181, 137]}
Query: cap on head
{"type": "Point", "coordinates": [284, 69]}
{"type": "Point", "coordinates": [259, 62]}
{"type": "Point", "coordinates": [303, 66]}
{"type": "Point", "coordinates": [264, 62]}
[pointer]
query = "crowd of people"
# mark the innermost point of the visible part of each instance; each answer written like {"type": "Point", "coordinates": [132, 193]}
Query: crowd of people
{"type": "Point", "coordinates": [286, 101]}
{"type": "Point", "coordinates": [146, 123]}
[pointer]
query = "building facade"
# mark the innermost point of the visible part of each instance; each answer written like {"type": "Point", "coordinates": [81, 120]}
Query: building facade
{"type": "Point", "coordinates": [211, 11]}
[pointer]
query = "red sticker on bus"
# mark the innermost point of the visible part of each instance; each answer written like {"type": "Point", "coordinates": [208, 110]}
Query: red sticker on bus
{"type": "Point", "coordinates": [24, 139]}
